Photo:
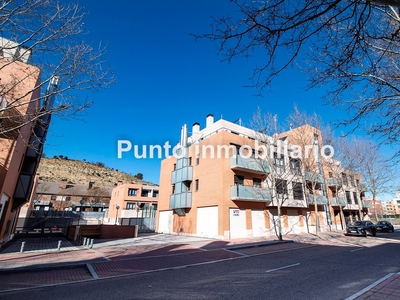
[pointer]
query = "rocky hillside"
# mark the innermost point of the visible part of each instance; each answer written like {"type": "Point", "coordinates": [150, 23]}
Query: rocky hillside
{"type": "Point", "coordinates": [79, 172]}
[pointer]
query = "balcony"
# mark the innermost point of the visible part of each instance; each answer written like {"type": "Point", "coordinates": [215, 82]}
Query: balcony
{"type": "Point", "coordinates": [314, 177]}
{"type": "Point", "coordinates": [334, 182]}
{"type": "Point", "coordinates": [181, 200]}
{"type": "Point", "coordinates": [253, 165]}
{"type": "Point", "coordinates": [366, 203]}
{"type": "Point", "coordinates": [182, 174]}
{"type": "Point", "coordinates": [250, 193]}
{"type": "Point", "coordinates": [338, 201]}
{"type": "Point", "coordinates": [320, 199]}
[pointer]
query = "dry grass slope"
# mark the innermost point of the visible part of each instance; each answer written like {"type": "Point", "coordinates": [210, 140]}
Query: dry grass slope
{"type": "Point", "coordinates": [79, 172]}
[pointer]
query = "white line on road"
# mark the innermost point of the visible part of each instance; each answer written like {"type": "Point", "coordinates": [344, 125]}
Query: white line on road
{"type": "Point", "coordinates": [92, 271]}
{"type": "Point", "coordinates": [358, 249]}
{"type": "Point", "coordinates": [282, 268]}
{"type": "Point", "coordinates": [352, 297]}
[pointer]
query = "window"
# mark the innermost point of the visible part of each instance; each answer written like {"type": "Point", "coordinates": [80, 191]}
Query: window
{"type": "Point", "coordinates": [348, 197]}
{"type": "Point", "coordinates": [334, 193]}
{"type": "Point", "coordinates": [173, 189]}
{"type": "Point", "coordinates": [238, 180]}
{"type": "Point", "coordinates": [132, 192]}
{"type": "Point", "coordinates": [298, 191]}
{"type": "Point", "coordinates": [355, 197]}
{"type": "Point", "coordinates": [68, 198]}
{"type": "Point", "coordinates": [190, 161]}
{"type": "Point", "coordinates": [351, 180]}
{"type": "Point", "coordinates": [344, 179]}
{"type": "Point", "coordinates": [53, 197]}
{"type": "Point", "coordinates": [279, 162]}
{"type": "Point", "coordinates": [197, 159]}
{"type": "Point", "coordinates": [155, 194]}
{"type": "Point", "coordinates": [174, 167]}
{"type": "Point", "coordinates": [281, 189]}
{"type": "Point", "coordinates": [197, 185]}
{"type": "Point", "coordinates": [185, 186]}
{"type": "Point", "coordinates": [130, 206]}
{"type": "Point", "coordinates": [295, 166]}
{"type": "Point", "coordinates": [257, 182]}
{"type": "Point", "coordinates": [330, 174]}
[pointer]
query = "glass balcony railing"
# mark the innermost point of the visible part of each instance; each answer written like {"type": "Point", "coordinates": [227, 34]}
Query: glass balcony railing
{"type": "Point", "coordinates": [320, 199]}
{"type": "Point", "coordinates": [181, 200]}
{"type": "Point", "coordinates": [334, 182]}
{"type": "Point", "coordinates": [314, 177]}
{"type": "Point", "coordinates": [250, 193]}
{"type": "Point", "coordinates": [182, 174]}
{"type": "Point", "coordinates": [338, 201]}
{"type": "Point", "coordinates": [254, 165]}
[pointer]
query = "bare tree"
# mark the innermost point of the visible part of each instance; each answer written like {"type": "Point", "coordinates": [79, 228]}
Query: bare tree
{"type": "Point", "coordinates": [377, 171]}
{"type": "Point", "coordinates": [351, 45]}
{"type": "Point", "coordinates": [306, 134]}
{"type": "Point", "coordinates": [282, 177]}
{"type": "Point", "coordinates": [48, 35]}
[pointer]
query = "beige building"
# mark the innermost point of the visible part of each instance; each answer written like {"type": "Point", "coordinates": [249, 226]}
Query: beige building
{"type": "Point", "coordinates": [216, 186]}
{"type": "Point", "coordinates": [133, 201]}
{"type": "Point", "coordinates": [19, 97]}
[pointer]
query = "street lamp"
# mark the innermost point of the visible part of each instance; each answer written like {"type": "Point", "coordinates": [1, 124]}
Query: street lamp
{"type": "Point", "coordinates": [116, 216]}
{"type": "Point", "coordinates": [80, 209]}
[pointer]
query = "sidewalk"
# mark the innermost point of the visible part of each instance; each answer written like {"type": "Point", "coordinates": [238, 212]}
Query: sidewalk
{"type": "Point", "coordinates": [112, 258]}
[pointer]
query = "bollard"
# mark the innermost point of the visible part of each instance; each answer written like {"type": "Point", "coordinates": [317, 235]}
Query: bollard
{"type": "Point", "coordinates": [84, 241]}
{"type": "Point", "coordinates": [59, 245]}
{"type": "Point", "coordinates": [22, 247]}
{"type": "Point", "coordinates": [91, 243]}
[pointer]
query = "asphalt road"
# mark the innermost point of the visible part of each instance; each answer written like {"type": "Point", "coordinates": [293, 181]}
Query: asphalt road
{"type": "Point", "coordinates": [334, 269]}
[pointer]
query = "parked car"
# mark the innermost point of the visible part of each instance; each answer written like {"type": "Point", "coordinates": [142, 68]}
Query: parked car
{"type": "Point", "coordinates": [384, 226]}
{"type": "Point", "coordinates": [362, 228]}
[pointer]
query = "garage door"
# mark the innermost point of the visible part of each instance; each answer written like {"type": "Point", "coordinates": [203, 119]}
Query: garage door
{"type": "Point", "coordinates": [258, 223]}
{"type": "Point", "coordinates": [207, 221]}
{"type": "Point", "coordinates": [165, 221]}
{"type": "Point", "coordinates": [237, 223]}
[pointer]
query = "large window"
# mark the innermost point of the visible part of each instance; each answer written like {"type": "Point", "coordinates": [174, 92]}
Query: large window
{"type": "Point", "coordinates": [344, 179]}
{"type": "Point", "coordinates": [348, 197]}
{"type": "Point", "coordinates": [298, 191]}
{"type": "Point", "coordinates": [132, 192]}
{"type": "Point", "coordinates": [355, 197]}
{"type": "Point", "coordinates": [238, 180]}
{"type": "Point", "coordinates": [295, 166]}
{"type": "Point", "coordinates": [130, 206]}
{"type": "Point", "coordinates": [281, 188]}
{"type": "Point", "coordinates": [279, 163]}
{"type": "Point", "coordinates": [257, 182]}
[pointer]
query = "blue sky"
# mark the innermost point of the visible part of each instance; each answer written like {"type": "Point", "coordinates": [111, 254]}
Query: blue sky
{"type": "Point", "coordinates": [166, 79]}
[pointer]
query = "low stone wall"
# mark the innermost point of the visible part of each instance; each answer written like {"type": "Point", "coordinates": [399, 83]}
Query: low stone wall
{"type": "Point", "coordinates": [103, 231]}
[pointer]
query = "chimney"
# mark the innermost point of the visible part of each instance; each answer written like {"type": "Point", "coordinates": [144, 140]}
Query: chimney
{"type": "Point", "coordinates": [63, 184]}
{"type": "Point", "coordinates": [209, 119]}
{"type": "Point", "coordinates": [195, 128]}
{"type": "Point", "coordinates": [91, 185]}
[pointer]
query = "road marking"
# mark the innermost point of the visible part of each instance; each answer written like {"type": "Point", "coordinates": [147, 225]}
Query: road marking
{"type": "Point", "coordinates": [92, 271]}
{"type": "Point", "coordinates": [352, 297]}
{"type": "Point", "coordinates": [356, 249]}
{"type": "Point", "coordinates": [272, 270]}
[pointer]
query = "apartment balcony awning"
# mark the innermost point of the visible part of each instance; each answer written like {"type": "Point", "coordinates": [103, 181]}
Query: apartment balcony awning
{"type": "Point", "coordinates": [182, 174]}
{"type": "Point", "coordinates": [338, 201]}
{"type": "Point", "coordinates": [334, 182]}
{"type": "Point", "coordinates": [252, 165]}
{"type": "Point", "coordinates": [320, 199]}
{"type": "Point", "coordinates": [181, 200]}
{"type": "Point", "coordinates": [250, 193]}
{"type": "Point", "coordinates": [314, 177]}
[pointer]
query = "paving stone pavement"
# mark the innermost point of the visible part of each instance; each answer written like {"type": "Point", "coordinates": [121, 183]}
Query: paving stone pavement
{"type": "Point", "coordinates": [41, 263]}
